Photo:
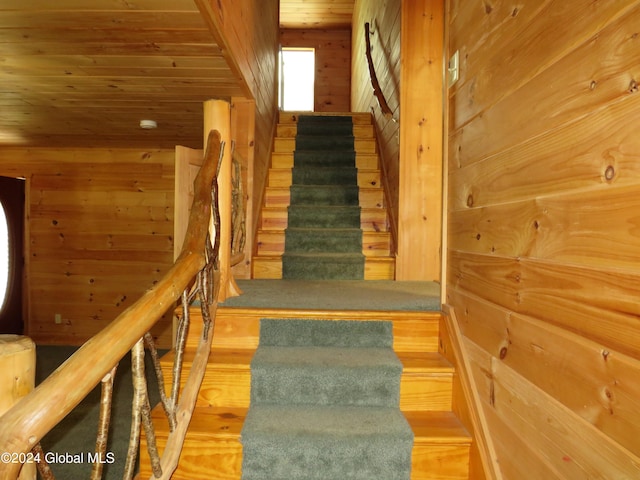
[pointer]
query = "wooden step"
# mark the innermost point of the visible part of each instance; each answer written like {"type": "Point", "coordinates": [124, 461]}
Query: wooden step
{"type": "Point", "coordinates": [227, 379]}
{"type": "Point", "coordinates": [281, 177]}
{"type": "Point", "coordinates": [239, 328]}
{"type": "Point", "coordinates": [288, 145]}
{"type": "Point", "coordinates": [212, 449]}
{"type": "Point", "coordinates": [371, 219]}
{"type": "Point", "coordinates": [369, 197]}
{"type": "Point", "coordinates": [363, 160]}
{"type": "Point", "coordinates": [358, 118]}
{"type": "Point", "coordinates": [440, 448]}
{"type": "Point", "coordinates": [375, 268]}
{"type": "Point", "coordinates": [374, 244]}
{"type": "Point", "coordinates": [424, 386]}
{"type": "Point", "coordinates": [291, 129]}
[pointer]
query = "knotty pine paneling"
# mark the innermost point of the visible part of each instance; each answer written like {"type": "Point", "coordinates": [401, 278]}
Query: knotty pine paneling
{"type": "Point", "coordinates": [332, 88]}
{"type": "Point", "coordinates": [99, 234]}
{"type": "Point", "coordinates": [249, 29]}
{"type": "Point", "coordinates": [542, 229]}
{"type": "Point", "coordinates": [384, 19]}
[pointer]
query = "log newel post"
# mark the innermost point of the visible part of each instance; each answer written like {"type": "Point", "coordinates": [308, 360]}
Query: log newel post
{"type": "Point", "coordinates": [17, 378]}
{"type": "Point", "coordinates": [217, 116]}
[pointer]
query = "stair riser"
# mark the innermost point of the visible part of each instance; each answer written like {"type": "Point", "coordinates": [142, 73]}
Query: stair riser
{"type": "Point", "coordinates": [325, 176]}
{"type": "Point", "coordinates": [357, 118]}
{"type": "Point", "coordinates": [321, 240]}
{"type": "Point", "coordinates": [301, 216]}
{"type": "Point", "coordinates": [221, 459]}
{"type": "Point", "coordinates": [288, 145]}
{"type": "Point", "coordinates": [237, 328]}
{"type": "Point", "coordinates": [371, 219]}
{"type": "Point", "coordinates": [375, 268]}
{"type": "Point", "coordinates": [231, 387]}
{"type": "Point", "coordinates": [281, 197]}
{"type": "Point", "coordinates": [290, 130]}
{"type": "Point", "coordinates": [282, 178]}
{"type": "Point", "coordinates": [374, 244]}
{"type": "Point", "coordinates": [213, 458]}
{"type": "Point", "coordinates": [440, 462]}
{"type": "Point", "coordinates": [320, 142]}
{"type": "Point", "coordinates": [324, 195]}
{"type": "Point", "coordinates": [364, 161]}
{"type": "Point", "coordinates": [332, 266]}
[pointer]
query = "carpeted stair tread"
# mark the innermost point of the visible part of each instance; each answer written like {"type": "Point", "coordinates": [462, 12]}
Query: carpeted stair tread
{"type": "Point", "coordinates": [323, 240]}
{"type": "Point", "coordinates": [323, 119]}
{"type": "Point", "coordinates": [319, 128]}
{"type": "Point", "coordinates": [326, 443]}
{"type": "Point", "coordinates": [313, 158]}
{"type": "Point", "coordinates": [327, 216]}
{"type": "Point", "coordinates": [324, 195]}
{"type": "Point", "coordinates": [325, 333]}
{"type": "Point", "coordinates": [325, 175]}
{"type": "Point", "coordinates": [326, 376]}
{"type": "Point", "coordinates": [323, 266]}
{"type": "Point", "coordinates": [324, 403]}
{"type": "Point", "coordinates": [319, 142]}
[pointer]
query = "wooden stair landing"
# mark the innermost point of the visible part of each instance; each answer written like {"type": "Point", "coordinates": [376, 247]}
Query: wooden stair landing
{"type": "Point", "coordinates": [212, 448]}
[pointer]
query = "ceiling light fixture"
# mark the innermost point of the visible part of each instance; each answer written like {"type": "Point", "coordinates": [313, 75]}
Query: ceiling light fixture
{"type": "Point", "coordinates": [148, 124]}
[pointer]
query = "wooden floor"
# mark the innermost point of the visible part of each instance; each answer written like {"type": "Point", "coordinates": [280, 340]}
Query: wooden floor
{"type": "Point", "coordinates": [213, 450]}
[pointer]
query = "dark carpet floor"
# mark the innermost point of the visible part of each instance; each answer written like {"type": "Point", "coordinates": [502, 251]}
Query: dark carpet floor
{"type": "Point", "coordinates": [76, 434]}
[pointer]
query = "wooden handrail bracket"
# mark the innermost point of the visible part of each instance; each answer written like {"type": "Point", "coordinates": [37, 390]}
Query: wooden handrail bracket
{"type": "Point", "coordinates": [377, 91]}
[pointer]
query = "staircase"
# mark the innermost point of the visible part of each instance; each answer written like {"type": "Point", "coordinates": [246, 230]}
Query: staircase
{"type": "Point", "coordinates": [274, 219]}
{"type": "Point", "coordinates": [212, 449]}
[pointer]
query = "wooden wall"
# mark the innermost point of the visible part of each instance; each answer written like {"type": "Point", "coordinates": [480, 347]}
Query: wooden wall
{"type": "Point", "coordinates": [99, 233]}
{"type": "Point", "coordinates": [543, 239]}
{"type": "Point", "coordinates": [249, 30]}
{"type": "Point", "coordinates": [332, 89]}
{"type": "Point", "coordinates": [407, 55]}
{"type": "Point", "coordinates": [384, 19]}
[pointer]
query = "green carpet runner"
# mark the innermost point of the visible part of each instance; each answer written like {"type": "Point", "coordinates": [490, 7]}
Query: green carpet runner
{"type": "Point", "coordinates": [324, 404]}
{"type": "Point", "coordinates": [323, 240]}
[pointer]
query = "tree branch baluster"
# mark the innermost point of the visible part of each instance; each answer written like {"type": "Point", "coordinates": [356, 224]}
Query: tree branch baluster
{"type": "Point", "coordinates": [104, 421]}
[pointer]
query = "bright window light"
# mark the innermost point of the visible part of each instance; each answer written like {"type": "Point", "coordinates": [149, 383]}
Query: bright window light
{"type": "Point", "coordinates": [4, 256]}
{"type": "Point", "coordinates": [297, 77]}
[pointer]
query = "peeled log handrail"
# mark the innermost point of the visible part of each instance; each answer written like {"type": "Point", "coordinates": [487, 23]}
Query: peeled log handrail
{"type": "Point", "coordinates": [22, 427]}
{"type": "Point", "coordinates": [377, 91]}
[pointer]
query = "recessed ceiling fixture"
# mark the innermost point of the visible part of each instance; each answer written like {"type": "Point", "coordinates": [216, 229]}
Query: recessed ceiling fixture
{"type": "Point", "coordinates": [148, 124]}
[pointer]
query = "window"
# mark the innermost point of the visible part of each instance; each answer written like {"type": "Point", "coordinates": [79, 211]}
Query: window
{"type": "Point", "coordinates": [4, 256]}
{"type": "Point", "coordinates": [297, 75]}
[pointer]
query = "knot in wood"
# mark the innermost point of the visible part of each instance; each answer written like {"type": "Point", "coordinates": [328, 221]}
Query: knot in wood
{"type": "Point", "coordinates": [609, 173]}
{"type": "Point", "coordinates": [470, 200]}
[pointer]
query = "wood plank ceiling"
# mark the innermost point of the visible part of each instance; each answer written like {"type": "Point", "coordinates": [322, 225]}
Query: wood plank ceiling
{"type": "Point", "coordinates": [80, 73]}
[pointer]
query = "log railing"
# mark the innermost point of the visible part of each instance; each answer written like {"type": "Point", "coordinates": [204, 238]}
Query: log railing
{"type": "Point", "coordinates": [194, 276]}
{"type": "Point", "coordinates": [377, 91]}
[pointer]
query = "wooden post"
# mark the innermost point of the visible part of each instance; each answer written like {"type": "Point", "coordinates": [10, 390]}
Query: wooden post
{"type": "Point", "coordinates": [420, 182]}
{"type": "Point", "coordinates": [17, 378]}
{"type": "Point", "coordinates": [217, 116]}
